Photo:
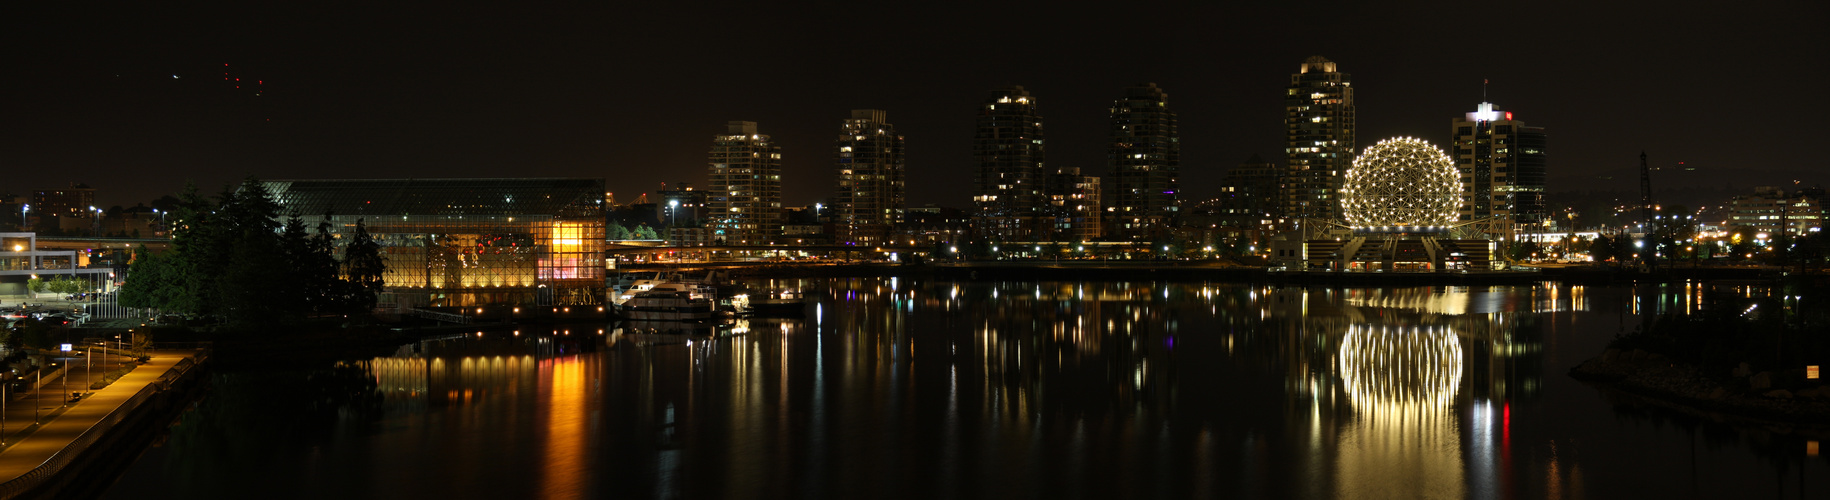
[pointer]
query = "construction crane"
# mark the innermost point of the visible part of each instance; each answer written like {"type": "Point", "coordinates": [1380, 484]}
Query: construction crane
{"type": "Point", "coordinates": [1645, 210]}
{"type": "Point", "coordinates": [1645, 191]}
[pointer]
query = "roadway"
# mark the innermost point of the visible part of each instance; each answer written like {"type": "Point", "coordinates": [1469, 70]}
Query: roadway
{"type": "Point", "coordinates": [27, 446]}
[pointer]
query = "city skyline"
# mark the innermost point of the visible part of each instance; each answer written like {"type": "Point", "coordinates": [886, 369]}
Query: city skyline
{"type": "Point", "coordinates": [133, 103]}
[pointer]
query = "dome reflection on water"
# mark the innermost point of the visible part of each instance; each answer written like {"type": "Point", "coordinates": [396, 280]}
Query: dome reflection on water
{"type": "Point", "coordinates": [1402, 382]}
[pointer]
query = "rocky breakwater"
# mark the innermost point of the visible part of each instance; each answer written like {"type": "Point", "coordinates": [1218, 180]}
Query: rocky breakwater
{"type": "Point", "coordinates": [1783, 401]}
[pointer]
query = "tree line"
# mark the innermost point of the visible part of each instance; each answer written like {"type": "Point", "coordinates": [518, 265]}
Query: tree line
{"type": "Point", "coordinates": [58, 284]}
{"type": "Point", "coordinates": [235, 261]}
{"type": "Point", "coordinates": [641, 232]}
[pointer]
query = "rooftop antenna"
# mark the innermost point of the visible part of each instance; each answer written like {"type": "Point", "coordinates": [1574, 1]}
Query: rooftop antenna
{"type": "Point", "coordinates": [1484, 83]}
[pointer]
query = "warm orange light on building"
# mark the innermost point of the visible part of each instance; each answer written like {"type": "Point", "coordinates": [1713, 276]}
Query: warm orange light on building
{"type": "Point", "coordinates": [568, 236]}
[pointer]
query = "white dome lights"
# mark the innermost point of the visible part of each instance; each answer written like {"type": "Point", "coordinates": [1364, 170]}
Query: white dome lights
{"type": "Point", "coordinates": [1402, 182]}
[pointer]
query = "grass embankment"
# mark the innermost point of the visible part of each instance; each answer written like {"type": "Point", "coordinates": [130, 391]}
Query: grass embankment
{"type": "Point", "coordinates": [1738, 357]}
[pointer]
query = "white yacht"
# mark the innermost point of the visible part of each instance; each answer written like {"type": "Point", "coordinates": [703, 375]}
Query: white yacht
{"type": "Point", "coordinates": [655, 300]}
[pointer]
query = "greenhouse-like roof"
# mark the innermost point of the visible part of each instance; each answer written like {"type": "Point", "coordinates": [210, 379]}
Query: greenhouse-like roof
{"type": "Point", "coordinates": [460, 197]}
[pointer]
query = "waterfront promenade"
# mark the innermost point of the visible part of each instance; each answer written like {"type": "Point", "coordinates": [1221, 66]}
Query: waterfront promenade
{"type": "Point", "coordinates": [27, 446]}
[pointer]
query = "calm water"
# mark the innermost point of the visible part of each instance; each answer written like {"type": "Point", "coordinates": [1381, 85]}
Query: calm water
{"type": "Point", "coordinates": [896, 388]}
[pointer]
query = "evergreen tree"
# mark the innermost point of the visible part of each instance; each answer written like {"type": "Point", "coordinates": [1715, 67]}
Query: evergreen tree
{"type": "Point", "coordinates": [618, 232]}
{"type": "Point", "coordinates": [199, 250]}
{"type": "Point", "coordinates": [138, 291]}
{"type": "Point", "coordinates": [364, 267]}
{"type": "Point", "coordinates": [152, 282]}
{"type": "Point", "coordinates": [294, 283]}
{"type": "Point", "coordinates": [254, 287]}
{"type": "Point", "coordinates": [323, 281]}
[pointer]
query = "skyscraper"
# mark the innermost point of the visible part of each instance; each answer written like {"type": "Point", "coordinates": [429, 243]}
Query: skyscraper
{"type": "Point", "coordinates": [869, 196]}
{"type": "Point", "coordinates": [1008, 148]}
{"type": "Point", "coordinates": [1145, 158]}
{"type": "Point", "coordinates": [1319, 125]}
{"type": "Point", "coordinates": [1501, 162]}
{"type": "Point", "coordinates": [745, 202]}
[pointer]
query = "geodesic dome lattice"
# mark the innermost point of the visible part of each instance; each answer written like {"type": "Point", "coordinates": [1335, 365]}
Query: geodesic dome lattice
{"type": "Point", "coordinates": [1401, 181]}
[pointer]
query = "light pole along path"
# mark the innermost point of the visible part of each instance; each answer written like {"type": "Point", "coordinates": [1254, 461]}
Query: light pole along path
{"type": "Point", "coordinates": [27, 447]}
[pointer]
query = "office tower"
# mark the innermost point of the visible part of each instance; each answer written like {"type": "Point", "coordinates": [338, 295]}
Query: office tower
{"type": "Point", "coordinates": [1319, 125]}
{"type": "Point", "coordinates": [1145, 158]}
{"type": "Point", "coordinates": [745, 202]}
{"type": "Point", "coordinates": [1501, 162]}
{"type": "Point", "coordinates": [869, 197]}
{"type": "Point", "coordinates": [1008, 148]}
{"type": "Point", "coordinates": [1073, 204]}
{"type": "Point", "coordinates": [1772, 211]}
{"type": "Point", "coordinates": [73, 201]}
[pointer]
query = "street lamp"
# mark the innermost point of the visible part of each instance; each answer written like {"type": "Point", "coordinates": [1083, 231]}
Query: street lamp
{"type": "Point", "coordinates": [24, 223]}
{"type": "Point", "coordinates": [98, 220]}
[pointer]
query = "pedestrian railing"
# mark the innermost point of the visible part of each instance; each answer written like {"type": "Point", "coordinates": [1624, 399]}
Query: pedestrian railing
{"type": "Point", "coordinates": [441, 316]}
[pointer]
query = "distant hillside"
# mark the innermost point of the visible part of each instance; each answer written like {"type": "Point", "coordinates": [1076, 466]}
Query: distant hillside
{"type": "Point", "coordinates": [1693, 197]}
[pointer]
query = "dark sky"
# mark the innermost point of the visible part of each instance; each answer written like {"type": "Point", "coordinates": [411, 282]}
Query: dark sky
{"type": "Point", "coordinates": [633, 92]}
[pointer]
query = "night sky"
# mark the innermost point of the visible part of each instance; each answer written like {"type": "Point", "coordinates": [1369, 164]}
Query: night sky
{"type": "Point", "coordinates": [134, 102]}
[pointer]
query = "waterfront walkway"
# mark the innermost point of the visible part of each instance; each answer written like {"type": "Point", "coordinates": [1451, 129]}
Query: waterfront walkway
{"type": "Point", "coordinates": [27, 445]}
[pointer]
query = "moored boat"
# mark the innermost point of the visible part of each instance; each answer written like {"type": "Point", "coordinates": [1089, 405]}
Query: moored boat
{"type": "Point", "coordinates": [779, 303]}
{"type": "Point", "coordinates": [666, 301]}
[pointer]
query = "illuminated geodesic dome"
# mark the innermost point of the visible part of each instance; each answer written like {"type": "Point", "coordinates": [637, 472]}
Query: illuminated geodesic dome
{"type": "Point", "coordinates": [1401, 182]}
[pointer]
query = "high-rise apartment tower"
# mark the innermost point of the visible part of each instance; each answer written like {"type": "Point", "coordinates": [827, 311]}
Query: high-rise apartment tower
{"type": "Point", "coordinates": [869, 197]}
{"type": "Point", "coordinates": [1319, 127]}
{"type": "Point", "coordinates": [745, 202]}
{"type": "Point", "coordinates": [1145, 158]}
{"type": "Point", "coordinates": [1008, 203]}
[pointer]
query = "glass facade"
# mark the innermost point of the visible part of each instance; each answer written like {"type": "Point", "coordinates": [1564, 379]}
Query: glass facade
{"type": "Point", "coordinates": [466, 242]}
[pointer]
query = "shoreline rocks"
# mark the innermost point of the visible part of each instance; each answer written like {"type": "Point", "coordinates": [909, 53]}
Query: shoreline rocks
{"type": "Point", "coordinates": [1734, 394]}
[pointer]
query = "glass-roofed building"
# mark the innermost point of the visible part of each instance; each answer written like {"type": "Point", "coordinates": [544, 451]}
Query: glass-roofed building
{"type": "Point", "coordinates": [466, 242]}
